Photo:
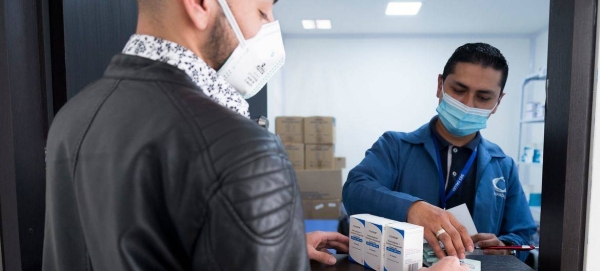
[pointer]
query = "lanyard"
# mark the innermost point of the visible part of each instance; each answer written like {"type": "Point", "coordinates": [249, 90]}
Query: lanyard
{"type": "Point", "coordinates": [461, 177]}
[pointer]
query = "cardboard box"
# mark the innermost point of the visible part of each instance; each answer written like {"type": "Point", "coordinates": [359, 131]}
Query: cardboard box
{"type": "Point", "coordinates": [322, 209]}
{"type": "Point", "coordinates": [403, 247]}
{"type": "Point", "coordinates": [295, 152]}
{"type": "Point", "coordinates": [319, 157]}
{"type": "Point", "coordinates": [290, 129]}
{"type": "Point", "coordinates": [375, 231]}
{"type": "Point", "coordinates": [356, 233]}
{"type": "Point", "coordinates": [339, 162]}
{"type": "Point", "coordinates": [320, 184]}
{"type": "Point", "coordinates": [319, 130]}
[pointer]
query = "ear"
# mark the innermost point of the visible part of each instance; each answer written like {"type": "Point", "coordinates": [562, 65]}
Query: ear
{"type": "Point", "coordinates": [198, 11]}
{"type": "Point", "coordinates": [439, 86]}
{"type": "Point", "coordinates": [498, 105]}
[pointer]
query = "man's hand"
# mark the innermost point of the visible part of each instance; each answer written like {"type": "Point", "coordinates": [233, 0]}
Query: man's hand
{"type": "Point", "coordinates": [447, 264]}
{"type": "Point", "coordinates": [433, 219]}
{"type": "Point", "coordinates": [318, 242]}
{"type": "Point", "coordinates": [484, 240]}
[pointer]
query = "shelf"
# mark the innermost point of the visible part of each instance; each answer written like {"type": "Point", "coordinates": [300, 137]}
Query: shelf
{"type": "Point", "coordinates": [533, 121]}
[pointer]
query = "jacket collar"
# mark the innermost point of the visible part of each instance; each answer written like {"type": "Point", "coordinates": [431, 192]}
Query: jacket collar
{"type": "Point", "coordinates": [139, 68]}
{"type": "Point", "coordinates": [212, 84]}
{"type": "Point", "coordinates": [423, 136]}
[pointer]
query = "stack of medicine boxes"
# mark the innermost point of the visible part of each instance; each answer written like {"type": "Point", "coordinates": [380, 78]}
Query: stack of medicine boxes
{"type": "Point", "coordinates": [310, 145]}
{"type": "Point", "coordinates": [383, 244]}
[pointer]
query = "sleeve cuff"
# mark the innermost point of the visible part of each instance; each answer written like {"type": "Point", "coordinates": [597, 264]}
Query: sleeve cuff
{"type": "Point", "coordinates": [412, 200]}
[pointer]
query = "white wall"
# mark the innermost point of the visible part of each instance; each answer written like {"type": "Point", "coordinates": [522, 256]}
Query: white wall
{"type": "Point", "coordinates": [374, 85]}
{"type": "Point", "coordinates": [541, 50]}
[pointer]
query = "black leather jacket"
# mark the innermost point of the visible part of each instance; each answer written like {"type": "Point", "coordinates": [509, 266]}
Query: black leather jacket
{"type": "Point", "coordinates": [145, 172]}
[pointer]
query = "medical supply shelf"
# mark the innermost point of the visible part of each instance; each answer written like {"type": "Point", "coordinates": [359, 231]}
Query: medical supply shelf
{"type": "Point", "coordinates": [530, 154]}
{"type": "Point", "coordinates": [541, 76]}
{"type": "Point", "coordinates": [533, 121]}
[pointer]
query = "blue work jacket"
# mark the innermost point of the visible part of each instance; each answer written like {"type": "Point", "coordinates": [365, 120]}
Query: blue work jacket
{"type": "Point", "coordinates": [401, 168]}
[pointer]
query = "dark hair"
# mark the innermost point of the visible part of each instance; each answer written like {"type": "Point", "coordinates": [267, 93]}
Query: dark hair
{"type": "Point", "coordinates": [478, 53]}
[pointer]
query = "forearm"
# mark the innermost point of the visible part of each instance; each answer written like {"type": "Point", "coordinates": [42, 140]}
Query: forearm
{"type": "Point", "coordinates": [373, 198]}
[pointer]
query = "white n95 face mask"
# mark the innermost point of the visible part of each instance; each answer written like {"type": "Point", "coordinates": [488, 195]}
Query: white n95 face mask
{"type": "Point", "coordinates": [254, 62]}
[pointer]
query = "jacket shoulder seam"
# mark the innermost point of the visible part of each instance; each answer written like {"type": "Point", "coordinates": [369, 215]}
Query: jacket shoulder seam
{"type": "Point", "coordinates": [88, 125]}
{"type": "Point", "coordinates": [198, 135]}
{"type": "Point", "coordinates": [188, 117]}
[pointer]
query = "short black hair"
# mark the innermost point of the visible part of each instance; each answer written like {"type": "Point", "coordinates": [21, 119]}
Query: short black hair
{"type": "Point", "coordinates": [478, 53]}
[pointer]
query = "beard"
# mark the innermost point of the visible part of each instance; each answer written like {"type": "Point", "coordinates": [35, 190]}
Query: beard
{"type": "Point", "coordinates": [222, 41]}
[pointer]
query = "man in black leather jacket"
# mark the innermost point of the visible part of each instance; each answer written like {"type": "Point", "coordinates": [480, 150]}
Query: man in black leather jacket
{"type": "Point", "coordinates": [156, 165]}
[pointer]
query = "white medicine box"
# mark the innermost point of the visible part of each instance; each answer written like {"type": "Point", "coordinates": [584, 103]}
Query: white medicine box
{"type": "Point", "coordinates": [403, 247]}
{"type": "Point", "coordinates": [357, 238]}
{"type": "Point", "coordinates": [374, 241]}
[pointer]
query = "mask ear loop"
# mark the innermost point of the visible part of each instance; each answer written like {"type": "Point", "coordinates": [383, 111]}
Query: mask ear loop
{"type": "Point", "coordinates": [232, 22]}
{"type": "Point", "coordinates": [495, 106]}
{"type": "Point", "coordinates": [497, 103]}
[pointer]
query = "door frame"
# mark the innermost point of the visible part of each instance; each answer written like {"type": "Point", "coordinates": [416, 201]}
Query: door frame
{"type": "Point", "coordinates": [570, 86]}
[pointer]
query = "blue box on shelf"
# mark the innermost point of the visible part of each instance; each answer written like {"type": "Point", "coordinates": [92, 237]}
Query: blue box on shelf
{"type": "Point", "coordinates": [535, 199]}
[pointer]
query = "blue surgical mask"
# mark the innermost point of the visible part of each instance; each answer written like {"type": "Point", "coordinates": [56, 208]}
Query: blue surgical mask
{"type": "Point", "coordinates": [461, 120]}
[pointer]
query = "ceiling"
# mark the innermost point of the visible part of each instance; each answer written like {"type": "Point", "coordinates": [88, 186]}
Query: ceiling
{"type": "Point", "coordinates": [489, 17]}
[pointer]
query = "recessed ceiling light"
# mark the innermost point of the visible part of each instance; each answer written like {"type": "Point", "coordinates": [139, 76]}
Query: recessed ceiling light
{"type": "Point", "coordinates": [403, 8]}
{"type": "Point", "coordinates": [309, 24]}
{"type": "Point", "coordinates": [324, 24]}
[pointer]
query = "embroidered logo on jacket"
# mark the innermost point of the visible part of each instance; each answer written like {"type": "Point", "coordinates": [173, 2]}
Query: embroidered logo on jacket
{"type": "Point", "coordinates": [499, 187]}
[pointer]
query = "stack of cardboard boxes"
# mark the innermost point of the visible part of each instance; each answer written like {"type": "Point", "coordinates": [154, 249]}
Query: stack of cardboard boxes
{"type": "Point", "coordinates": [310, 145]}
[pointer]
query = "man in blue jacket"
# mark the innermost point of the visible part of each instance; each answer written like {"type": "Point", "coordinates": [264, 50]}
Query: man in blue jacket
{"type": "Point", "coordinates": [415, 176]}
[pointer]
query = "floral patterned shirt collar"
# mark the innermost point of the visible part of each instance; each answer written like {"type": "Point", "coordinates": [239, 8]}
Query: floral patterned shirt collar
{"type": "Point", "coordinates": [212, 84]}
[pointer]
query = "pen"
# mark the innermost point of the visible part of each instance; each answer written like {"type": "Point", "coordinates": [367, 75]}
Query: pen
{"type": "Point", "coordinates": [519, 248]}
